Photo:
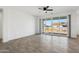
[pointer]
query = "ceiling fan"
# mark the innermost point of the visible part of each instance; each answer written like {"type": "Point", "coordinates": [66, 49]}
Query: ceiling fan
{"type": "Point", "coordinates": [45, 9]}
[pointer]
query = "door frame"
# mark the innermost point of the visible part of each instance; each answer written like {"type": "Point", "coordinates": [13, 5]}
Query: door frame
{"type": "Point", "coordinates": [69, 26]}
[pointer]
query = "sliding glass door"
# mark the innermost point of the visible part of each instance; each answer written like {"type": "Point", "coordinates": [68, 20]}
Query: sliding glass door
{"type": "Point", "coordinates": [48, 26]}
{"type": "Point", "coordinates": [60, 26]}
{"type": "Point", "coordinates": [56, 25]}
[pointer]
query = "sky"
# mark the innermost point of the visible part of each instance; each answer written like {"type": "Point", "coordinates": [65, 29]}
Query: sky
{"type": "Point", "coordinates": [49, 22]}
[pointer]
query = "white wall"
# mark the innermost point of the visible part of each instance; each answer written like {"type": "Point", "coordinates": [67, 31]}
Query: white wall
{"type": "Point", "coordinates": [37, 25]}
{"type": "Point", "coordinates": [74, 25]}
{"type": "Point", "coordinates": [78, 22]}
{"type": "Point", "coordinates": [0, 24]}
{"type": "Point", "coordinates": [17, 24]}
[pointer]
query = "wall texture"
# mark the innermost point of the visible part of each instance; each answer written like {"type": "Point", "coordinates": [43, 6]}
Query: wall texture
{"type": "Point", "coordinates": [17, 24]}
{"type": "Point", "coordinates": [78, 22]}
{"type": "Point", "coordinates": [1, 24]}
{"type": "Point", "coordinates": [37, 25]}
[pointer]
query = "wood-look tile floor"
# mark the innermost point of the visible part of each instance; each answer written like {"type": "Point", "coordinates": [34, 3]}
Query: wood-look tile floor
{"type": "Point", "coordinates": [41, 44]}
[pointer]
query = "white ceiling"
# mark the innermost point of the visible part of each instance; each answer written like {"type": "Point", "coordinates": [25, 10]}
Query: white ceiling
{"type": "Point", "coordinates": [33, 10]}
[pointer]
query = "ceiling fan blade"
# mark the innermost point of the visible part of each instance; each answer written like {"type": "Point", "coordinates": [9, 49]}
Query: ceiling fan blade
{"type": "Point", "coordinates": [47, 6]}
{"type": "Point", "coordinates": [40, 8]}
{"type": "Point", "coordinates": [49, 9]}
